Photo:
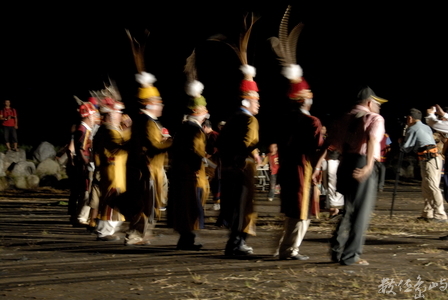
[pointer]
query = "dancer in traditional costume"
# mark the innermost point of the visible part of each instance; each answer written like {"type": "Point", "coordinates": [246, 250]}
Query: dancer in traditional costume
{"type": "Point", "coordinates": [111, 149]}
{"type": "Point", "coordinates": [299, 143]}
{"type": "Point", "coordinates": [237, 147]}
{"type": "Point", "coordinates": [83, 163]}
{"type": "Point", "coordinates": [189, 187]}
{"type": "Point", "coordinates": [150, 144]}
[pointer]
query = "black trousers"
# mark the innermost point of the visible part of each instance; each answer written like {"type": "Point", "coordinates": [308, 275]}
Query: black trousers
{"type": "Point", "coordinates": [348, 239]}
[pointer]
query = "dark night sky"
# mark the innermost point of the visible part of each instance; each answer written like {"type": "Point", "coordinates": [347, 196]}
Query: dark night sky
{"type": "Point", "coordinates": [50, 53]}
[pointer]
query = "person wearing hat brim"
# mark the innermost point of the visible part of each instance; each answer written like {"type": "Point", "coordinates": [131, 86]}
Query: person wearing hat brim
{"type": "Point", "coordinates": [357, 136]}
{"type": "Point", "coordinates": [189, 187]}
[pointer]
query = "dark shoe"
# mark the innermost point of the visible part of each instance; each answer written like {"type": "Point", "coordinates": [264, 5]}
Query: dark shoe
{"type": "Point", "coordinates": [335, 256]}
{"type": "Point", "coordinates": [191, 247]}
{"type": "Point", "coordinates": [295, 257]}
{"type": "Point", "coordinates": [78, 224]}
{"type": "Point", "coordinates": [91, 230]}
{"type": "Point", "coordinates": [108, 238]}
{"type": "Point", "coordinates": [444, 238]}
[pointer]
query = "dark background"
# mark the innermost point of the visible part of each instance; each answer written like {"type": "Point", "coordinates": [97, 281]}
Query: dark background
{"type": "Point", "coordinates": [52, 52]}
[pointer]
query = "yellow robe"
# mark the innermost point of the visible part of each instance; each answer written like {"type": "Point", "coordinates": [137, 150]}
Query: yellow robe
{"type": "Point", "coordinates": [110, 146]}
{"type": "Point", "coordinates": [236, 144]}
{"type": "Point", "coordinates": [185, 206]}
{"type": "Point", "coordinates": [155, 147]}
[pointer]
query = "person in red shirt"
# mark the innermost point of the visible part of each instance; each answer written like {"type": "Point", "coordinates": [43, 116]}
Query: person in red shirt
{"type": "Point", "coordinates": [10, 124]}
{"type": "Point", "coordinates": [272, 159]}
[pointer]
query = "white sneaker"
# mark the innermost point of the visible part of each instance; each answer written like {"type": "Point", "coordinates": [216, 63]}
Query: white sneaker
{"type": "Point", "coordinates": [270, 199]}
{"type": "Point", "coordinates": [216, 206]}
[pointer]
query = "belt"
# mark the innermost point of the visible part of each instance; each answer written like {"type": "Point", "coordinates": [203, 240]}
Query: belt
{"type": "Point", "coordinates": [427, 152]}
{"type": "Point", "coordinates": [425, 148]}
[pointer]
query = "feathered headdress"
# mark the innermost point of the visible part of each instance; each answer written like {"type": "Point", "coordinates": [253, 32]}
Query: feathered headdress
{"type": "Point", "coordinates": [85, 109]}
{"type": "Point", "coordinates": [148, 93]}
{"type": "Point", "coordinates": [248, 86]}
{"type": "Point", "coordinates": [197, 104]}
{"type": "Point", "coordinates": [138, 50]}
{"type": "Point", "coordinates": [107, 99]}
{"type": "Point", "coordinates": [285, 46]}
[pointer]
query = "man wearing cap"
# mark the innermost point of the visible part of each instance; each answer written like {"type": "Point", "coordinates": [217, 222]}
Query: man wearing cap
{"type": "Point", "coordinates": [151, 142]}
{"type": "Point", "coordinates": [419, 139]}
{"type": "Point", "coordinates": [189, 187]}
{"type": "Point", "coordinates": [299, 143]}
{"type": "Point", "coordinates": [357, 136]}
{"type": "Point", "coordinates": [237, 147]}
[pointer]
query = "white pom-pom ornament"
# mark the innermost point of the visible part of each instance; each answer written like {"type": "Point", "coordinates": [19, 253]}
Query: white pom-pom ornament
{"type": "Point", "coordinates": [145, 78]}
{"type": "Point", "coordinates": [292, 72]}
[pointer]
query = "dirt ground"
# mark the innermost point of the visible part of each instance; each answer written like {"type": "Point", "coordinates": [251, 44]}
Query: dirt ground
{"type": "Point", "coordinates": [43, 257]}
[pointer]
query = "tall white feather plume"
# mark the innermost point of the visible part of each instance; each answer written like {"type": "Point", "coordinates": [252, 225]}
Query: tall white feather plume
{"type": "Point", "coordinates": [292, 72]}
{"type": "Point", "coordinates": [194, 88]}
{"type": "Point", "coordinates": [145, 78]}
{"type": "Point", "coordinates": [248, 70]}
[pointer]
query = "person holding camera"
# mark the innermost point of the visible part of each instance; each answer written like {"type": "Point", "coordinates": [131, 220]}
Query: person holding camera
{"type": "Point", "coordinates": [10, 125]}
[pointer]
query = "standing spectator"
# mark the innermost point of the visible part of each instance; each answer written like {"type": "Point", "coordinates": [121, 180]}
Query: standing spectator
{"type": "Point", "coordinates": [385, 148]}
{"type": "Point", "coordinates": [357, 137]}
{"type": "Point", "coordinates": [419, 139]}
{"type": "Point", "coordinates": [221, 125]}
{"type": "Point", "coordinates": [273, 161]}
{"type": "Point", "coordinates": [334, 199]}
{"type": "Point", "coordinates": [10, 125]}
{"type": "Point", "coordinates": [213, 171]}
{"type": "Point", "coordinates": [440, 124]}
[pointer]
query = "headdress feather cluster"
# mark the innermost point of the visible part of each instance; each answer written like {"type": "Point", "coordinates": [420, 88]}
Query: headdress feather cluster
{"type": "Point", "coordinates": [285, 46]}
{"type": "Point", "coordinates": [148, 93]}
{"type": "Point", "coordinates": [108, 99]}
{"type": "Point", "coordinates": [194, 87]}
{"type": "Point", "coordinates": [241, 48]}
